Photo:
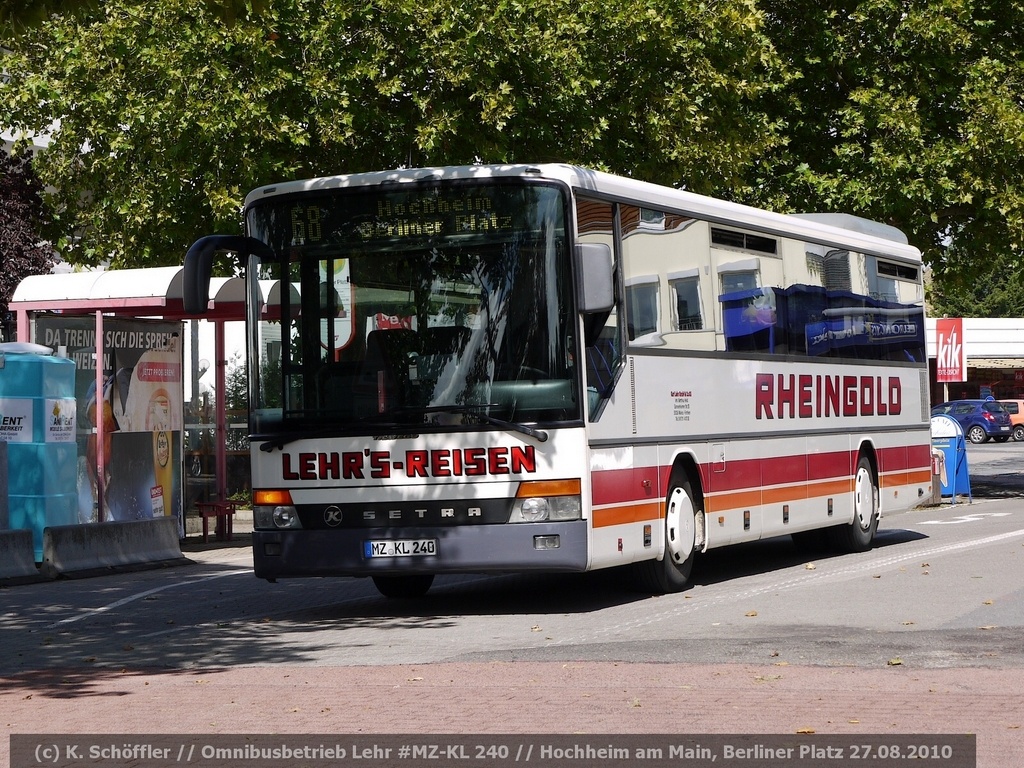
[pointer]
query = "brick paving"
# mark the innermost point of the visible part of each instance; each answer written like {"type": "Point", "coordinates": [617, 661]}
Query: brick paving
{"type": "Point", "coordinates": [526, 697]}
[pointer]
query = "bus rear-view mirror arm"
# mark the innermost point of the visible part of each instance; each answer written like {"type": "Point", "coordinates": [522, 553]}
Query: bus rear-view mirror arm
{"type": "Point", "coordinates": [198, 267]}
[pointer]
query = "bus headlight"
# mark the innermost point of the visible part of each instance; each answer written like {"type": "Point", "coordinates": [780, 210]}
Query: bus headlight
{"type": "Point", "coordinates": [275, 518]}
{"type": "Point", "coordinates": [539, 501]}
{"type": "Point", "coordinates": [286, 517]}
{"type": "Point", "coordinates": [274, 510]}
{"type": "Point", "coordinates": [534, 510]}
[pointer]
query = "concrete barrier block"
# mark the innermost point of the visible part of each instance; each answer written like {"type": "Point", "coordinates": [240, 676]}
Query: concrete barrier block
{"type": "Point", "coordinates": [79, 549]}
{"type": "Point", "coordinates": [17, 556]}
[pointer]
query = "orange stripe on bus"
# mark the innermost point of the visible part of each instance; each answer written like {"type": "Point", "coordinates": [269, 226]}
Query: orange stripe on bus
{"type": "Point", "coordinates": [920, 477]}
{"type": "Point", "coordinates": [725, 502]}
{"type": "Point", "coordinates": [621, 515]}
{"type": "Point", "coordinates": [747, 499]}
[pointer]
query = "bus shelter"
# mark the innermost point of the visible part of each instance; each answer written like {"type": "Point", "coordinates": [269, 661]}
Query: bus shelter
{"type": "Point", "coordinates": [99, 301]}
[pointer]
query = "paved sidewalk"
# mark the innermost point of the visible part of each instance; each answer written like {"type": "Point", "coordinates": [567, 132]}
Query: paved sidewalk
{"type": "Point", "coordinates": [526, 697]}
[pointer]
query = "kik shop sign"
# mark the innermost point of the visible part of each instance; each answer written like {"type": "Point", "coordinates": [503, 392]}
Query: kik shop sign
{"type": "Point", "coordinates": [951, 355]}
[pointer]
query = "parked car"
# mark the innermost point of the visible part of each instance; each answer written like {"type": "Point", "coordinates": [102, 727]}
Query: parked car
{"type": "Point", "coordinates": [981, 420]}
{"type": "Point", "coordinates": [1016, 410]}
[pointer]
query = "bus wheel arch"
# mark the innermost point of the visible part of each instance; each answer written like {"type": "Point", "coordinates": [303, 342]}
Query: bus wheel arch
{"type": "Point", "coordinates": [683, 533]}
{"type": "Point", "coordinates": [859, 534]}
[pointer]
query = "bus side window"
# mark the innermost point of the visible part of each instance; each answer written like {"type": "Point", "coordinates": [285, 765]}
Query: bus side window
{"type": "Point", "coordinates": [602, 357]}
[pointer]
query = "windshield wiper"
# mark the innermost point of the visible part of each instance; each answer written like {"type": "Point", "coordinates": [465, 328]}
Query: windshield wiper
{"type": "Point", "coordinates": [538, 434]}
{"type": "Point", "coordinates": [280, 440]}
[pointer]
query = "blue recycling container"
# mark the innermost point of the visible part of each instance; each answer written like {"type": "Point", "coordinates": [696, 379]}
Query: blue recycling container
{"type": "Point", "coordinates": [37, 421]}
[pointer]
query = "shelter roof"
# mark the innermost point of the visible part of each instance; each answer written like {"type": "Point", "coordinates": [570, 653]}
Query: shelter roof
{"type": "Point", "coordinates": [147, 292]}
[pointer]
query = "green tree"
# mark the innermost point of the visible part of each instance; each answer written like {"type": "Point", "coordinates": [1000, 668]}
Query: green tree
{"type": "Point", "coordinates": [236, 401]}
{"type": "Point", "coordinates": [23, 252]}
{"type": "Point", "coordinates": [908, 112]}
{"type": "Point", "coordinates": [168, 112]}
{"type": "Point", "coordinates": [16, 16]}
{"type": "Point", "coordinates": [990, 290]}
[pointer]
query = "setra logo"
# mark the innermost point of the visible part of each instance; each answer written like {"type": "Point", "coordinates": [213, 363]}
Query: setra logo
{"type": "Point", "coordinates": [332, 516]}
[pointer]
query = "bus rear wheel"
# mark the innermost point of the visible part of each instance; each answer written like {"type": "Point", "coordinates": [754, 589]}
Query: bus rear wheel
{"type": "Point", "coordinates": [404, 587]}
{"type": "Point", "coordinates": [860, 533]}
{"type": "Point", "coordinates": [684, 528]}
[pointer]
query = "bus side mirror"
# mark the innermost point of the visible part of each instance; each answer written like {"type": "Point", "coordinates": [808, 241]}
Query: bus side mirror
{"type": "Point", "coordinates": [198, 267]}
{"type": "Point", "coordinates": [595, 278]}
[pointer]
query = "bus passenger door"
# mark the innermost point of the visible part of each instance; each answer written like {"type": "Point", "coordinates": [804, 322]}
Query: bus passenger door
{"type": "Point", "coordinates": [603, 344]}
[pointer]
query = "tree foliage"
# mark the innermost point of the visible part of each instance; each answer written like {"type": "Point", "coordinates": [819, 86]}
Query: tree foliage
{"type": "Point", "coordinates": [989, 290]}
{"type": "Point", "coordinates": [908, 112]}
{"type": "Point", "coordinates": [17, 16]}
{"type": "Point", "coordinates": [168, 112]}
{"type": "Point", "coordinates": [23, 252]}
{"type": "Point", "coordinates": [904, 111]}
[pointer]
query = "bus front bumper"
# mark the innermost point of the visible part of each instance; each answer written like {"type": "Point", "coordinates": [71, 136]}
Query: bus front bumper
{"type": "Point", "coordinates": [456, 549]}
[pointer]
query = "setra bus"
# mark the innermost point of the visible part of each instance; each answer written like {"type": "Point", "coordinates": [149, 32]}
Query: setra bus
{"type": "Point", "coordinates": [549, 368]}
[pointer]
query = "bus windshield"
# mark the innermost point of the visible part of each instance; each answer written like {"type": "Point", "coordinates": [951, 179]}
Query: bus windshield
{"type": "Point", "coordinates": [398, 306]}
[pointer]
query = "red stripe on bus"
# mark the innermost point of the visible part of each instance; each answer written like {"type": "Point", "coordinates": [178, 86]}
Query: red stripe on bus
{"type": "Point", "coordinates": [623, 486]}
{"type": "Point", "coordinates": [747, 474]}
{"type": "Point", "coordinates": [735, 501]}
{"type": "Point", "coordinates": [908, 457]}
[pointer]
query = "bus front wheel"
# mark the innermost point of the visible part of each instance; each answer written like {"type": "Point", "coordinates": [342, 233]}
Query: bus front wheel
{"type": "Point", "coordinates": [684, 528]}
{"type": "Point", "coordinates": [860, 533]}
{"type": "Point", "coordinates": [404, 587]}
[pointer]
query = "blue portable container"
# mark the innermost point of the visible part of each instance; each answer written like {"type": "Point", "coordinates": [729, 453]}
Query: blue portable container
{"type": "Point", "coordinates": [37, 421]}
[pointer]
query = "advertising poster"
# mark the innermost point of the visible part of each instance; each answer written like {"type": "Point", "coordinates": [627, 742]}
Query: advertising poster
{"type": "Point", "coordinates": [141, 406]}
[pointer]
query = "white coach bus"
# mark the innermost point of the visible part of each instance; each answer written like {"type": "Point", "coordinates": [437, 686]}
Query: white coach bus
{"type": "Point", "coordinates": [514, 368]}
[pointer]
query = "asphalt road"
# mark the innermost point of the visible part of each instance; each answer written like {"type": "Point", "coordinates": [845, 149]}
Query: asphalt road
{"type": "Point", "coordinates": [933, 579]}
{"type": "Point", "coordinates": [996, 470]}
{"type": "Point", "coordinates": [921, 635]}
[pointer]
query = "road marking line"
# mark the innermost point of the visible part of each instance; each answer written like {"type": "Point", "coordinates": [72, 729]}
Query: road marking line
{"type": "Point", "coordinates": [140, 595]}
{"type": "Point", "coordinates": [970, 518]}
